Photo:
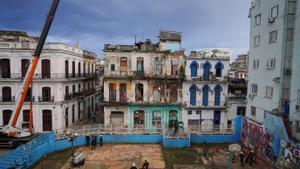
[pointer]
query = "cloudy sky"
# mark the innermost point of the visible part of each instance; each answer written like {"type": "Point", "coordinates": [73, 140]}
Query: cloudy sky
{"type": "Point", "coordinates": [203, 23]}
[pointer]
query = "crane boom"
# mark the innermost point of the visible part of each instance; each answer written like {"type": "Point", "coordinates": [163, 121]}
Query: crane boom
{"type": "Point", "coordinates": [30, 73]}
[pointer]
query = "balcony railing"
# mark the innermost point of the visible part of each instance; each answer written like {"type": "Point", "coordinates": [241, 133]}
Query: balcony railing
{"type": "Point", "coordinates": [46, 98]}
{"type": "Point", "coordinates": [205, 104]}
{"type": "Point", "coordinates": [211, 78]}
{"type": "Point", "coordinates": [38, 76]}
{"type": "Point", "coordinates": [80, 94]}
{"type": "Point", "coordinates": [7, 99]}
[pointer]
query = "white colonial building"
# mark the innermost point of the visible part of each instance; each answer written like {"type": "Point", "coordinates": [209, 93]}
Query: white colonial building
{"type": "Point", "coordinates": [62, 89]}
{"type": "Point", "coordinates": [205, 90]}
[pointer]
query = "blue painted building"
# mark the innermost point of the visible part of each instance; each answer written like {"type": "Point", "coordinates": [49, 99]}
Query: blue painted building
{"type": "Point", "coordinates": [205, 90]}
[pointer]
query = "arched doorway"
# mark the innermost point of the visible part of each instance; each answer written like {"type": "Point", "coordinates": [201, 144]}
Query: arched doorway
{"type": "Point", "coordinates": [46, 68]}
{"type": "Point", "coordinates": [6, 94]}
{"type": "Point", "coordinates": [47, 120]}
{"type": "Point", "coordinates": [6, 116]}
{"type": "Point", "coordinates": [5, 68]}
{"type": "Point", "coordinates": [24, 66]}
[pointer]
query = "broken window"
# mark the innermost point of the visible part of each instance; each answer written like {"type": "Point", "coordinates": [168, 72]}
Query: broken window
{"type": "Point", "coordinates": [156, 119]}
{"type": "Point", "coordinates": [139, 118]}
{"type": "Point", "coordinates": [174, 66]}
{"type": "Point", "coordinates": [140, 66]}
{"type": "Point", "coordinates": [157, 89]}
{"type": "Point", "coordinates": [139, 92]}
{"type": "Point", "coordinates": [173, 93]}
{"type": "Point", "coordinates": [123, 92]}
{"type": "Point", "coordinates": [112, 92]}
{"type": "Point", "coordinates": [158, 66]}
{"type": "Point", "coordinates": [123, 65]}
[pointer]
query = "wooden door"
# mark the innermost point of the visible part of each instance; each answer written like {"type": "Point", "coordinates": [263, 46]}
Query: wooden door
{"type": "Point", "coordinates": [47, 120]}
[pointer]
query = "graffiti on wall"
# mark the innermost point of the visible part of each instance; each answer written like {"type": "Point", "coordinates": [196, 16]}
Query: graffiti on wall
{"type": "Point", "coordinates": [254, 135]}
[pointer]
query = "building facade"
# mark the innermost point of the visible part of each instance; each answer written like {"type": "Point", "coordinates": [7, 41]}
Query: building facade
{"type": "Point", "coordinates": [205, 90]}
{"type": "Point", "coordinates": [62, 88]}
{"type": "Point", "coordinates": [141, 82]}
{"type": "Point", "coordinates": [237, 96]}
{"type": "Point", "coordinates": [272, 83]}
{"type": "Point", "coordinates": [239, 68]}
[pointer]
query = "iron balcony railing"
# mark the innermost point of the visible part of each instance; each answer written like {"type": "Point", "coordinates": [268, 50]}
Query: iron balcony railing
{"type": "Point", "coordinates": [205, 104]}
{"type": "Point", "coordinates": [46, 98]}
{"type": "Point", "coordinates": [41, 76]}
{"type": "Point", "coordinates": [7, 99]}
{"type": "Point", "coordinates": [80, 94]}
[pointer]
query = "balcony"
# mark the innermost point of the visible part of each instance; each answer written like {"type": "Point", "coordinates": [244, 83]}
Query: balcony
{"type": "Point", "coordinates": [46, 98]}
{"type": "Point", "coordinates": [52, 76]}
{"type": "Point", "coordinates": [7, 99]}
{"type": "Point", "coordinates": [213, 78]}
{"type": "Point", "coordinates": [207, 105]}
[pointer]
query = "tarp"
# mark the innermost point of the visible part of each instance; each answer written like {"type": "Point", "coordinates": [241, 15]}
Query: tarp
{"type": "Point", "coordinates": [274, 125]}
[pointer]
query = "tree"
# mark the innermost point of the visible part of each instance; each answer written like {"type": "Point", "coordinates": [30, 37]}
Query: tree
{"type": "Point", "coordinates": [181, 73]}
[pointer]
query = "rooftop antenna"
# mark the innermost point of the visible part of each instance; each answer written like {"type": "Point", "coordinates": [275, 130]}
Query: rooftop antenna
{"type": "Point", "coordinates": [109, 17]}
{"type": "Point", "coordinates": [134, 39]}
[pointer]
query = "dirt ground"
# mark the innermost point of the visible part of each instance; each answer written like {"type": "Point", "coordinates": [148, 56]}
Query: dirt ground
{"type": "Point", "coordinates": [121, 156]}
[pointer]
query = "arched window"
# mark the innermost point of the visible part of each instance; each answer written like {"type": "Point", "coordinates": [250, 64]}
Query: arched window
{"type": "Point", "coordinates": [139, 92]}
{"type": "Point", "coordinates": [205, 92]}
{"type": "Point", "coordinates": [73, 113]}
{"type": "Point", "coordinates": [219, 67]}
{"type": "Point", "coordinates": [218, 89]}
{"type": "Point", "coordinates": [206, 70]}
{"type": "Point", "coordinates": [84, 69]}
{"type": "Point", "coordinates": [24, 66]}
{"type": "Point", "coordinates": [47, 120]}
{"type": "Point", "coordinates": [6, 94]}
{"type": "Point", "coordinates": [193, 95]}
{"type": "Point", "coordinates": [66, 117]}
{"type": "Point", "coordinates": [194, 67]}
{"type": "Point", "coordinates": [46, 68]}
{"type": "Point", "coordinates": [5, 68]}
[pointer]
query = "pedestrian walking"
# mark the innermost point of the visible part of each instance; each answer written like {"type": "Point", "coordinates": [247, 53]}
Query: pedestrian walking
{"type": "Point", "coordinates": [242, 156]}
{"type": "Point", "coordinates": [101, 141]}
{"type": "Point", "coordinates": [133, 166]}
{"type": "Point", "coordinates": [94, 140]}
{"type": "Point", "coordinates": [87, 139]}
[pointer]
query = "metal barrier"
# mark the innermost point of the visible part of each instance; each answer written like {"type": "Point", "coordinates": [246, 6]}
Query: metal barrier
{"type": "Point", "coordinates": [100, 129]}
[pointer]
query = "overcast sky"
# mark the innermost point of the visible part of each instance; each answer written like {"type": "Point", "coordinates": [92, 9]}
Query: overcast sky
{"type": "Point", "coordinates": [203, 23]}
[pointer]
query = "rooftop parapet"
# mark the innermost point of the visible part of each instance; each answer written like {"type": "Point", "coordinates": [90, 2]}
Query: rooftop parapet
{"type": "Point", "coordinates": [211, 54]}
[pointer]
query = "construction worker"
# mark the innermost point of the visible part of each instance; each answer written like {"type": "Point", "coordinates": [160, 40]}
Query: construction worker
{"type": "Point", "coordinates": [101, 141]}
{"type": "Point", "coordinates": [87, 139]}
{"type": "Point", "coordinates": [242, 156]}
{"type": "Point", "coordinates": [145, 165]}
{"type": "Point", "coordinates": [94, 140]}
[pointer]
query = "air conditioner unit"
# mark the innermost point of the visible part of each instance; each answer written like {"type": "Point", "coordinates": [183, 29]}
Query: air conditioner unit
{"type": "Point", "coordinates": [271, 19]}
{"type": "Point", "coordinates": [297, 107]}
